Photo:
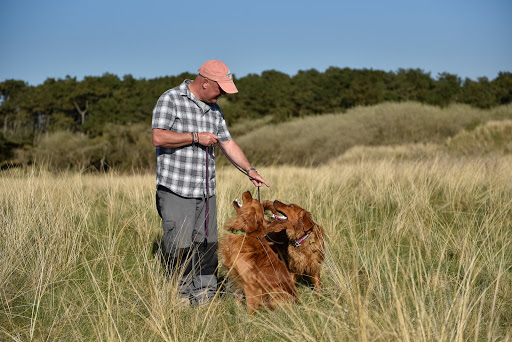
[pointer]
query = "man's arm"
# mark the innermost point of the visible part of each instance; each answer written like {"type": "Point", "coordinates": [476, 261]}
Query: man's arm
{"type": "Point", "coordinates": [170, 139]}
{"type": "Point", "coordinates": [236, 154]}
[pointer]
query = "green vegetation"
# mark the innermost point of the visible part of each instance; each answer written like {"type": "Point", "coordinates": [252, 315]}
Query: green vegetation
{"type": "Point", "coordinates": [419, 249]}
{"type": "Point", "coordinates": [409, 176]}
{"type": "Point", "coordinates": [97, 106]}
{"type": "Point", "coordinates": [485, 139]}
{"type": "Point", "coordinates": [416, 202]}
{"type": "Point", "coordinates": [312, 140]}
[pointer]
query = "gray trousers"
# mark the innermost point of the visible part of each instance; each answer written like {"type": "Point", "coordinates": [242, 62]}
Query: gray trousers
{"type": "Point", "coordinates": [190, 255]}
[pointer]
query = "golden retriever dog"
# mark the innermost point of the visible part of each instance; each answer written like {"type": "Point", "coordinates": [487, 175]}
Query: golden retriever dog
{"type": "Point", "coordinates": [252, 265]}
{"type": "Point", "coordinates": [297, 239]}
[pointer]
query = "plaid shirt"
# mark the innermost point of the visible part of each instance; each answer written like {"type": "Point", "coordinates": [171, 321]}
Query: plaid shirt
{"type": "Point", "coordinates": [183, 169]}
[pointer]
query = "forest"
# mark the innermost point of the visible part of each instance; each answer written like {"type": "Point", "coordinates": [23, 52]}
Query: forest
{"type": "Point", "coordinates": [105, 120]}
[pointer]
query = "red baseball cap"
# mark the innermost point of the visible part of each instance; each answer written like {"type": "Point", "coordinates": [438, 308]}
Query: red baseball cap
{"type": "Point", "coordinates": [217, 71]}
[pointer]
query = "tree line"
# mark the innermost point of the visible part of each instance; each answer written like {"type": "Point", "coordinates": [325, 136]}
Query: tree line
{"type": "Point", "coordinates": [101, 107]}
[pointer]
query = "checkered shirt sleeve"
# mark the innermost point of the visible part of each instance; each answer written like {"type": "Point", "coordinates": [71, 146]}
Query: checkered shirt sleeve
{"type": "Point", "coordinates": [183, 169]}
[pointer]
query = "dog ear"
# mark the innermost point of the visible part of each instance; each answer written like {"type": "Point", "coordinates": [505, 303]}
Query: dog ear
{"type": "Point", "coordinates": [269, 205]}
{"type": "Point", "coordinates": [278, 226]}
{"type": "Point", "coordinates": [246, 223]}
{"type": "Point", "coordinates": [237, 208]}
{"type": "Point", "coordinates": [246, 197]}
{"type": "Point", "coordinates": [259, 217]}
{"type": "Point", "coordinates": [249, 222]}
{"type": "Point", "coordinates": [307, 221]}
{"type": "Point", "coordinates": [256, 224]}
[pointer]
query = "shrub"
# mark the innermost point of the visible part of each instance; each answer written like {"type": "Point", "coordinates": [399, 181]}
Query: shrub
{"type": "Point", "coordinates": [65, 150]}
{"type": "Point", "coordinates": [129, 147]}
{"type": "Point", "coordinates": [316, 139]}
{"type": "Point", "coordinates": [489, 138]}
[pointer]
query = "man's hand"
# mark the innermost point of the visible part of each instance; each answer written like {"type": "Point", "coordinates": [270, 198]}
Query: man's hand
{"type": "Point", "coordinates": [256, 179]}
{"type": "Point", "coordinates": [235, 153]}
{"type": "Point", "coordinates": [207, 139]}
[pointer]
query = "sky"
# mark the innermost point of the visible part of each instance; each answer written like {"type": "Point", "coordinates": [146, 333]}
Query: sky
{"type": "Point", "coordinates": [156, 38]}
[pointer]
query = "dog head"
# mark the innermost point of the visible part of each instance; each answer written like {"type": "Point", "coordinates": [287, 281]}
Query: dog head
{"type": "Point", "coordinates": [298, 218]}
{"type": "Point", "coordinates": [249, 214]}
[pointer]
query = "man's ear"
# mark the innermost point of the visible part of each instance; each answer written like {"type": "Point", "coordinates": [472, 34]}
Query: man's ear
{"type": "Point", "coordinates": [204, 83]}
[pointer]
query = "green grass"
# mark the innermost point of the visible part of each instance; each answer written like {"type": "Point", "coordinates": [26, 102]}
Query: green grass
{"type": "Point", "coordinates": [314, 140]}
{"type": "Point", "coordinates": [419, 249]}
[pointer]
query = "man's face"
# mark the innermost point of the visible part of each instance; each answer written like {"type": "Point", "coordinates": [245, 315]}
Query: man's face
{"type": "Point", "coordinates": [212, 91]}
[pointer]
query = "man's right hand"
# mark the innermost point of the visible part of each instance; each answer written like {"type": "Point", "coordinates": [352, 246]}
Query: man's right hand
{"type": "Point", "coordinates": [208, 139]}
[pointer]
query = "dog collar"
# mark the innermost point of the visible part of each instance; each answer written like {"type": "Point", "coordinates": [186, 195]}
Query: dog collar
{"type": "Point", "coordinates": [238, 232]}
{"type": "Point", "coordinates": [300, 241]}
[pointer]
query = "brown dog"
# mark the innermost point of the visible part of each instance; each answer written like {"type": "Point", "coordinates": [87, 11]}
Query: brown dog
{"type": "Point", "coordinates": [297, 239]}
{"type": "Point", "coordinates": [252, 264]}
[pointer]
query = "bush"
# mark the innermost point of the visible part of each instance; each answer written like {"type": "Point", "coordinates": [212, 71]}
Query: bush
{"type": "Point", "coordinates": [65, 150]}
{"type": "Point", "coordinates": [122, 147]}
{"type": "Point", "coordinates": [316, 139]}
{"type": "Point", "coordinates": [129, 147]}
{"type": "Point", "coordinates": [313, 140]}
{"type": "Point", "coordinates": [489, 138]}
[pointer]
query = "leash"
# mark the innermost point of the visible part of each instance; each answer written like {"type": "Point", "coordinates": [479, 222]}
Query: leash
{"type": "Point", "coordinates": [207, 200]}
{"type": "Point", "coordinates": [239, 168]}
{"type": "Point", "coordinates": [297, 243]}
{"type": "Point", "coordinates": [274, 241]}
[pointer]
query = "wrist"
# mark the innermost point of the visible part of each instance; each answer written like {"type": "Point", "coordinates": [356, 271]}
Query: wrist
{"type": "Point", "coordinates": [195, 138]}
{"type": "Point", "coordinates": [251, 169]}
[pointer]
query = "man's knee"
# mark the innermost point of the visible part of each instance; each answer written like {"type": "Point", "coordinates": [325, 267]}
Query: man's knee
{"type": "Point", "coordinates": [175, 239]}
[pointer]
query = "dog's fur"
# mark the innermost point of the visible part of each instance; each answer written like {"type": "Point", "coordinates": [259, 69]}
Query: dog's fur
{"type": "Point", "coordinates": [251, 263]}
{"type": "Point", "coordinates": [306, 259]}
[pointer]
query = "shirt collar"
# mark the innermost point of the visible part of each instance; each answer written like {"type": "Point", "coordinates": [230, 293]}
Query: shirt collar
{"type": "Point", "coordinates": [185, 91]}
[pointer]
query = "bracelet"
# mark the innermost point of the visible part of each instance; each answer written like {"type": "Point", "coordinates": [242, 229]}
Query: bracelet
{"type": "Point", "coordinates": [252, 169]}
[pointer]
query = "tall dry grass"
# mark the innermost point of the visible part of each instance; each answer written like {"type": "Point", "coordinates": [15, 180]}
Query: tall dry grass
{"type": "Point", "coordinates": [418, 250]}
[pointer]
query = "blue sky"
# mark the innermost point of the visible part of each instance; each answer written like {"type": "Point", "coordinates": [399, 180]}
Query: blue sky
{"type": "Point", "coordinates": [152, 38]}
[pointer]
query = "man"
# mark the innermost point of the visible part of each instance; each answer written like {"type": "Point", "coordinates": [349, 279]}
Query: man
{"type": "Point", "coordinates": [187, 122]}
